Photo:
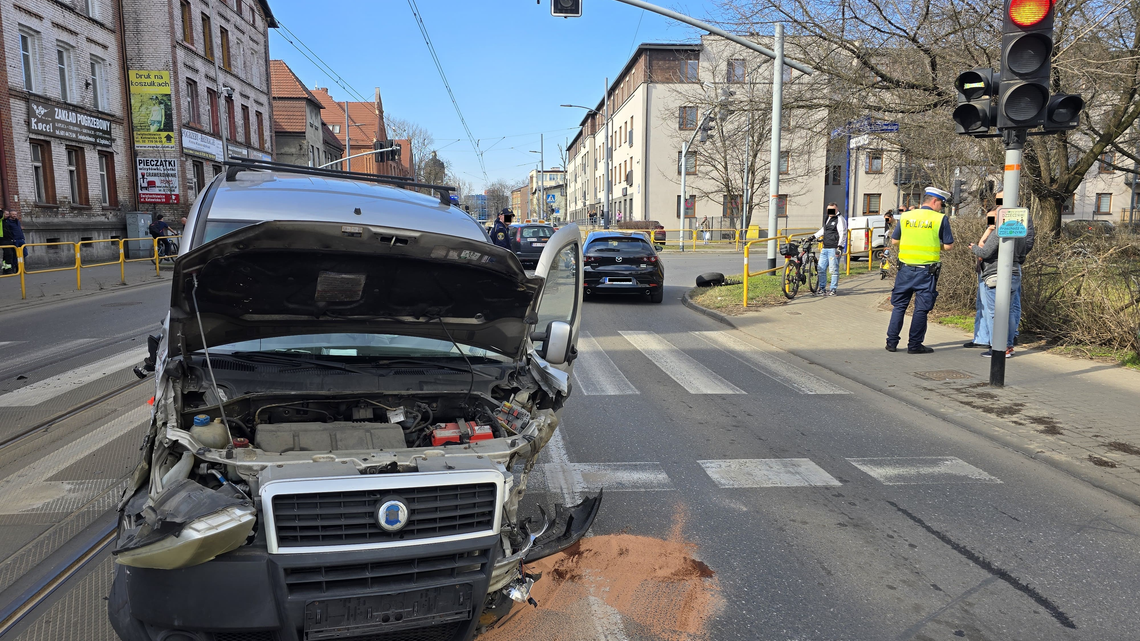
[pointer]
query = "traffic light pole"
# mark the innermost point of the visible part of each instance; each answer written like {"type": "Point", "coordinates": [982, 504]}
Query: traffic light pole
{"type": "Point", "coordinates": [1014, 140]}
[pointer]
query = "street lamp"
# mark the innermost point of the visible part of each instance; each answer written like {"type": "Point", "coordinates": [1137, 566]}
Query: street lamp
{"type": "Point", "coordinates": [609, 158]}
{"type": "Point", "coordinates": [541, 175]}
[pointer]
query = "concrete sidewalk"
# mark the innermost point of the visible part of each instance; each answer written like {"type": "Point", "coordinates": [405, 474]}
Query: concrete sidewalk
{"type": "Point", "coordinates": [57, 286]}
{"type": "Point", "coordinates": [1078, 415]}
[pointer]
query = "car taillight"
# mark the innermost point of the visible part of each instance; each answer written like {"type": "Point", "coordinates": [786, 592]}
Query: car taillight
{"type": "Point", "coordinates": [590, 259]}
{"type": "Point", "coordinates": [651, 259]}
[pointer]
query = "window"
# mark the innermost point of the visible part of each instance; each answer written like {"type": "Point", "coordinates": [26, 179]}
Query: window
{"type": "Point", "coordinates": [231, 119]}
{"type": "Point", "coordinates": [631, 131]}
{"type": "Point", "coordinates": [225, 41]}
{"type": "Point", "coordinates": [690, 163]}
{"type": "Point", "coordinates": [207, 37]}
{"type": "Point", "coordinates": [109, 194]}
{"type": "Point", "coordinates": [782, 206]}
{"type": "Point", "coordinates": [687, 118]}
{"type": "Point", "coordinates": [237, 7]}
{"type": "Point", "coordinates": [199, 177]}
{"type": "Point", "coordinates": [212, 109]}
{"type": "Point", "coordinates": [689, 70]}
{"type": "Point", "coordinates": [241, 59]}
{"type": "Point", "coordinates": [736, 70]}
{"type": "Point", "coordinates": [1103, 204]}
{"type": "Point", "coordinates": [837, 174]}
{"type": "Point", "coordinates": [99, 84]}
{"type": "Point", "coordinates": [217, 169]}
{"type": "Point", "coordinates": [245, 125]}
{"type": "Point", "coordinates": [875, 161]}
{"type": "Point", "coordinates": [336, 129]}
{"type": "Point", "coordinates": [30, 59]}
{"type": "Point", "coordinates": [1107, 159]}
{"type": "Point", "coordinates": [785, 157]}
{"type": "Point", "coordinates": [193, 112]}
{"type": "Point", "coordinates": [76, 176]}
{"type": "Point", "coordinates": [787, 73]}
{"type": "Point", "coordinates": [91, 8]}
{"type": "Point", "coordinates": [260, 132]}
{"type": "Point", "coordinates": [871, 204]}
{"type": "Point", "coordinates": [63, 60]}
{"type": "Point", "coordinates": [187, 23]}
{"type": "Point", "coordinates": [42, 174]}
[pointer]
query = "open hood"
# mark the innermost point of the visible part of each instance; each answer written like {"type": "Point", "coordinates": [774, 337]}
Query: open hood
{"type": "Point", "coordinates": [284, 278]}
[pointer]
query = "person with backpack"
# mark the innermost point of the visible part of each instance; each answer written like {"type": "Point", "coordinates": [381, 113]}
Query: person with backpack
{"type": "Point", "coordinates": [160, 229]}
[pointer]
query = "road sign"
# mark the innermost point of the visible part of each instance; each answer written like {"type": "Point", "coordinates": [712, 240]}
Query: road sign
{"type": "Point", "coordinates": [859, 141]}
{"type": "Point", "coordinates": [1014, 222]}
{"type": "Point", "coordinates": [550, 198]}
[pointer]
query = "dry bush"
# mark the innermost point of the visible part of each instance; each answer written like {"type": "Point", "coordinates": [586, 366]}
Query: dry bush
{"type": "Point", "coordinates": [1075, 291]}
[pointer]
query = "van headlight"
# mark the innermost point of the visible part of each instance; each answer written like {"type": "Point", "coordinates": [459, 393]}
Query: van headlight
{"type": "Point", "coordinates": [199, 541]}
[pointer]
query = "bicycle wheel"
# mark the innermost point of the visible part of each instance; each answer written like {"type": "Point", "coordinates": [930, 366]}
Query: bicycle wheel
{"type": "Point", "coordinates": [811, 272]}
{"type": "Point", "coordinates": [791, 280]}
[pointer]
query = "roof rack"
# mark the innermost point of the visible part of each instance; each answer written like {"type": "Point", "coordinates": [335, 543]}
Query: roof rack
{"type": "Point", "coordinates": [238, 165]}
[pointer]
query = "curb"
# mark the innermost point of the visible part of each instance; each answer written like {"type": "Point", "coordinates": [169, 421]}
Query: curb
{"type": "Point", "coordinates": [981, 426]}
{"type": "Point", "coordinates": [32, 303]}
{"type": "Point", "coordinates": [716, 316]}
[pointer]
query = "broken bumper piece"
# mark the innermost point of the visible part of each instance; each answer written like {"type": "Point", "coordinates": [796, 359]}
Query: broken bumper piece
{"type": "Point", "coordinates": [570, 525]}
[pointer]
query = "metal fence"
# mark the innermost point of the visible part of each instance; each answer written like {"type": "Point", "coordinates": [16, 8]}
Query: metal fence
{"type": "Point", "coordinates": [77, 251]}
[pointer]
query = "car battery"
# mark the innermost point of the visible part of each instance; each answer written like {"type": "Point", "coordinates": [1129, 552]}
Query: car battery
{"type": "Point", "coordinates": [465, 432]}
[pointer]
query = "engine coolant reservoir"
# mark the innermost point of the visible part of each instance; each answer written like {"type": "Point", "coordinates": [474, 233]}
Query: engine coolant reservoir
{"type": "Point", "coordinates": [212, 434]}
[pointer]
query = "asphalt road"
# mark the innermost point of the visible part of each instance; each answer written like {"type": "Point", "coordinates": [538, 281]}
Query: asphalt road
{"type": "Point", "coordinates": [748, 494]}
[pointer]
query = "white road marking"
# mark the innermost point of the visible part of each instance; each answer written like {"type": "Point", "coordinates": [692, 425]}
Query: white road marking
{"type": "Point", "coordinates": [28, 490]}
{"type": "Point", "coordinates": [611, 477]}
{"type": "Point", "coordinates": [694, 377]}
{"type": "Point", "coordinates": [596, 373]}
{"type": "Point", "coordinates": [770, 365]}
{"type": "Point", "coordinates": [50, 388]}
{"type": "Point", "coordinates": [921, 470]}
{"type": "Point", "coordinates": [31, 357]}
{"type": "Point", "coordinates": [775, 472]}
{"type": "Point", "coordinates": [7, 343]}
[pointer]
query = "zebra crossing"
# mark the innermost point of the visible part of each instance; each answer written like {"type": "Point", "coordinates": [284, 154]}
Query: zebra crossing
{"type": "Point", "coordinates": [597, 374]}
{"type": "Point", "coordinates": [566, 477]}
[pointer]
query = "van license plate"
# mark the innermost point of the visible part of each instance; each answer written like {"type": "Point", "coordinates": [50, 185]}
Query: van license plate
{"type": "Point", "coordinates": [384, 613]}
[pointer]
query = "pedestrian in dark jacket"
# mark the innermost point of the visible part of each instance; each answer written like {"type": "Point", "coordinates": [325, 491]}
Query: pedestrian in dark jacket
{"type": "Point", "coordinates": [987, 251]}
{"type": "Point", "coordinates": [501, 233]}
{"type": "Point", "coordinates": [13, 234]}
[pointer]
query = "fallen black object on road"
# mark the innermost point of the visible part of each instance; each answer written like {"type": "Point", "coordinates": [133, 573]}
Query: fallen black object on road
{"type": "Point", "coordinates": [710, 279]}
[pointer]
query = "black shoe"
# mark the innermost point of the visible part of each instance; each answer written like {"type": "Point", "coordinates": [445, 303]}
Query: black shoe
{"type": "Point", "coordinates": [921, 349]}
{"type": "Point", "coordinates": [972, 344]}
{"type": "Point", "coordinates": [892, 348]}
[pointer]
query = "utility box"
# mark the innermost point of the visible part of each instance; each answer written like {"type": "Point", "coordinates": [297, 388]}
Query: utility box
{"type": "Point", "coordinates": [138, 226]}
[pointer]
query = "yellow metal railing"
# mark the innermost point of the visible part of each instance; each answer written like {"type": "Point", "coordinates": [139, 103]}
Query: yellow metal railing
{"type": "Point", "coordinates": [77, 250]}
{"type": "Point", "coordinates": [747, 250]}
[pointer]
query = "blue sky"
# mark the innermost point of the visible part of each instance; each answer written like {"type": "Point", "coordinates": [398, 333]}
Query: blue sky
{"type": "Point", "coordinates": [509, 62]}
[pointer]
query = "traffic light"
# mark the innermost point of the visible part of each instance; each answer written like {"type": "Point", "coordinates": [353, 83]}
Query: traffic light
{"type": "Point", "coordinates": [1064, 112]}
{"type": "Point", "coordinates": [975, 113]}
{"type": "Point", "coordinates": [956, 192]}
{"type": "Point", "coordinates": [1026, 50]}
{"type": "Point", "coordinates": [566, 8]}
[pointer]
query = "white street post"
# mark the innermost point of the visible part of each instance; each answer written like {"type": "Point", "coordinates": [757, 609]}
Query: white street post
{"type": "Point", "coordinates": [1014, 141]}
{"type": "Point", "coordinates": [774, 168]}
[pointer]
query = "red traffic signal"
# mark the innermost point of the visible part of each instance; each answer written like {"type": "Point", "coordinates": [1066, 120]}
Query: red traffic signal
{"type": "Point", "coordinates": [1028, 13]}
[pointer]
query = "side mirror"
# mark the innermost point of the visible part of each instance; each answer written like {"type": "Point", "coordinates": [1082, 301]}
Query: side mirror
{"type": "Point", "coordinates": [555, 342]}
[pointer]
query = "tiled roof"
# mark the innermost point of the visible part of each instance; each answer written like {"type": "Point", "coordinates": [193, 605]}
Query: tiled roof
{"type": "Point", "coordinates": [289, 116]}
{"type": "Point", "coordinates": [284, 83]}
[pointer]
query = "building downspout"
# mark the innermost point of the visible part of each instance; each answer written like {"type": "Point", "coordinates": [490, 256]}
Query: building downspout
{"type": "Point", "coordinates": [128, 120]}
{"type": "Point", "coordinates": [645, 150]}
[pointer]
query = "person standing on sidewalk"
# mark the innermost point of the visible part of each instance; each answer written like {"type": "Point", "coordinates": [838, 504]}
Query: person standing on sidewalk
{"type": "Point", "coordinates": [834, 237]}
{"type": "Point", "coordinates": [982, 314]}
{"type": "Point", "coordinates": [987, 250]}
{"type": "Point", "coordinates": [500, 233]}
{"type": "Point", "coordinates": [920, 235]}
{"type": "Point", "coordinates": [13, 234]}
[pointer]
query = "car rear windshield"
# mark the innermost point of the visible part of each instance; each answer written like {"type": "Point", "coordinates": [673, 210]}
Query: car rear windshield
{"type": "Point", "coordinates": [620, 246]}
{"type": "Point", "coordinates": [537, 232]}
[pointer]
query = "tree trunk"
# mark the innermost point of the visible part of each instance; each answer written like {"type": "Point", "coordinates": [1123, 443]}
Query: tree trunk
{"type": "Point", "coordinates": [1048, 220]}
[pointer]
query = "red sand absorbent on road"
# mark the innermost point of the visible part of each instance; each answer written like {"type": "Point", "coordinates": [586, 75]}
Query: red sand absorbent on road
{"type": "Point", "coordinates": [641, 586]}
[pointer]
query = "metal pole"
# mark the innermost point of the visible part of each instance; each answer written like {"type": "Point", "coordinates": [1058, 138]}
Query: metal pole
{"type": "Point", "coordinates": [542, 175]}
{"type": "Point", "coordinates": [684, 197]}
{"type": "Point", "coordinates": [609, 160]}
{"type": "Point", "coordinates": [774, 168]}
{"type": "Point", "coordinates": [1014, 140]}
{"type": "Point", "coordinates": [798, 66]}
{"type": "Point", "coordinates": [747, 172]}
{"type": "Point", "coordinates": [347, 140]}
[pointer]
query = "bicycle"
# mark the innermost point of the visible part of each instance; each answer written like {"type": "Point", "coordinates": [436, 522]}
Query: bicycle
{"type": "Point", "coordinates": [167, 248]}
{"type": "Point", "coordinates": [800, 266]}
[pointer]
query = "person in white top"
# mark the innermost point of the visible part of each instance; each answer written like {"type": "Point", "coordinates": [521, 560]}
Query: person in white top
{"type": "Point", "coordinates": [833, 234]}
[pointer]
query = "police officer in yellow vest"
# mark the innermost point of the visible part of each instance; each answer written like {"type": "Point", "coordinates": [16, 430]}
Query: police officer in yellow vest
{"type": "Point", "coordinates": [919, 235]}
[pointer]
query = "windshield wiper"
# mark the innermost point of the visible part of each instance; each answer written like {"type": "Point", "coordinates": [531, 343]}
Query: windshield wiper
{"type": "Point", "coordinates": [283, 359]}
{"type": "Point", "coordinates": [383, 362]}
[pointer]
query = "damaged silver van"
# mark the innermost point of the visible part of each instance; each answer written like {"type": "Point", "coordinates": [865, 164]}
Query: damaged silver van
{"type": "Point", "coordinates": [352, 386]}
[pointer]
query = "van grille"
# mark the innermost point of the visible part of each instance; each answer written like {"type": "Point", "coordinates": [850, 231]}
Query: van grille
{"type": "Point", "coordinates": [386, 576]}
{"type": "Point", "coordinates": [349, 517]}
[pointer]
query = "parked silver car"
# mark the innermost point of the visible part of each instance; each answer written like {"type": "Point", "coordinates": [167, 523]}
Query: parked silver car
{"type": "Point", "coordinates": [352, 386]}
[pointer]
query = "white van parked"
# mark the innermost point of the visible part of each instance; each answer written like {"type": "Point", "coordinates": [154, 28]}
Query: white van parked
{"type": "Point", "coordinates": [866, 232]}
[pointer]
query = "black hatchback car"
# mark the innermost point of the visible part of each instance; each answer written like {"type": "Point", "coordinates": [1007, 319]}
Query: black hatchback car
{"type": "Point", "coordinates": [528, 240]}
{"type": "Point", "coordinates": [616, 262]}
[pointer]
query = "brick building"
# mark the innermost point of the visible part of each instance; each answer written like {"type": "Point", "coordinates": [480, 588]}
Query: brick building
{"type": "Point", "coordinates": [299, 132]}
{"type": "Point", "coordinates": [364, 130]}
{"type": "Point", "coordinates": [207, 65]}
{"type": "Point", "coordinates": [64, 149]}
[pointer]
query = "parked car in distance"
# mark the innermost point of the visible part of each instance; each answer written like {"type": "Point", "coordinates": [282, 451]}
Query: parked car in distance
{"type": "Point", "coordinates": [1074, 228]}
{"type": "Point", "coordinates": [622, 262]}
{"type": "Point", "coordinates": [528, 240]}
{"type": "Point", "coordinates": [867, 232]}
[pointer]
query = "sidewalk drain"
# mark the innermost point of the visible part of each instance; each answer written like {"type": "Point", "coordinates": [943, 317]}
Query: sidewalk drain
{"type": "Point", "coordinates": [943, 375]}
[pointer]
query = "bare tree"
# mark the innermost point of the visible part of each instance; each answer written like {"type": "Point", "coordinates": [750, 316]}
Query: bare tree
{"type": "Point", "coordinates": [499, 196]}
{"type": "Point", "coordinates": [898, 59]}
{"type": "Point", "coordinates": [422, 142]}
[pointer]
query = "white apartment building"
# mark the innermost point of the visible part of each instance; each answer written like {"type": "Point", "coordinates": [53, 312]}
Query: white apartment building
{"type": "Point", "coordinates": [551, 184]}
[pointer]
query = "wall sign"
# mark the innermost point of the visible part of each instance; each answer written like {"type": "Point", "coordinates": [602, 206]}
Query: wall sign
{"type": "Point", "coordinates": [45, 119]}
{"type": "Point", "coordinates": [159, 181]}
{"type": "Point", "coordinates": [152, 112]}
